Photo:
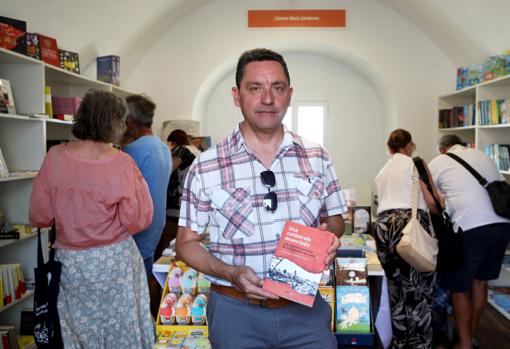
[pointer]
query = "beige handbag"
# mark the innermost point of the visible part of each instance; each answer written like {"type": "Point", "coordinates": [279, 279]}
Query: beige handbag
{"type": "Point", "coordinates": [417, 247]}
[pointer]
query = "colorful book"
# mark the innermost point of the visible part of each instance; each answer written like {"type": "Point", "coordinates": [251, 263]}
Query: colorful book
{"type": "Point", "coordinates": [69, 61]}
{"type": "Point", "coordinates": [352, 309]}
{"type": "Point", "coordinates": [49, 50]}
{"type": "Point", "coordinates": [33, 48]}
{"type": "Point", "coordinates": [351, 271]}
{"type": "Point", "coordinates": [108, 69]}
{"type": "Point", "coordinates": [298, 263]}
{"type": "Point", "coordinates": [12, 34]}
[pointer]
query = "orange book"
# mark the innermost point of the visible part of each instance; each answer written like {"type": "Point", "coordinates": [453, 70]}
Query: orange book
{"type": "Point", "coordinates": [298, 263]}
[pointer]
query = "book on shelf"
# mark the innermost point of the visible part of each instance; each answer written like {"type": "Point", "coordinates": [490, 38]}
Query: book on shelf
{"type": "Point", "coordinates": [9, 338]}
{"type": "Point", "coordinates": [352, 309]}
{"type": "Point", "coordinates": [7, 104]}
{"type": "Point", "coordinates": [69, 61]}
{"type": "Point", "coordinates": [33, 48]}
{"type": "Point", "coordinates": [12, 34]}
{"type": "Point", "coordinates": [298, 263]}
{"type": "Point", "coordinates": [4, 171]}
{"type": "Point", "coordinates": [49, 50]}
{"type": "Point", "coordinates": [108, 69]}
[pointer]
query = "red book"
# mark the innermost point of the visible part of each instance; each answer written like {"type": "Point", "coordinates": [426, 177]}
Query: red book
{"type": "Point", "coordinates": [49, 50]}
{"type": "Point", "coordinates": [298, 263]}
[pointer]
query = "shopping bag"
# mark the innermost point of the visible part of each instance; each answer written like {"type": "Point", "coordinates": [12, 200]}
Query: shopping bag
{"type": "Point", "coordinates": [47, 332]}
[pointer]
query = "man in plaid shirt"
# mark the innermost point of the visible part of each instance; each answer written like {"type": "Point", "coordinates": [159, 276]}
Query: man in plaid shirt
{"type": "Point", "coordinates": [243, 190]}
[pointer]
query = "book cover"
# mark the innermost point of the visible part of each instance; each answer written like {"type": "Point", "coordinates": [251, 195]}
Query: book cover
{"type": "Point", "coordinates": [108, 69]}
{"type": "Point", "coordinates": [33, 49]}
{"type": "Point", "coordinates": [69, 61]}
{"type": "Point", "coordinates": [298, 263]}
{"type": "Point", "coordinates": [351, 271]}
{"type": "Point", "coordinates": [7, 104]}
{"type": "Point", "coordinates": [12, 34]}
{"type": "Point", "coordinates": [353, 309]}
{"type": "Point", "coordinates": [49, 50]}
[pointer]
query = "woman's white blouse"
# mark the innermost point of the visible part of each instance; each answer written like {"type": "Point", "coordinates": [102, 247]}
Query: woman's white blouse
{"type": "Point", "coordinates": [394, 183]}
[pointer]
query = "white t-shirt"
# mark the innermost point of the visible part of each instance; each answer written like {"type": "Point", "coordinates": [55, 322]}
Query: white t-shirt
{"type": "Point", "coordinates": [467, 202]}
{"type": "Point", "coordinates": [394, 183]}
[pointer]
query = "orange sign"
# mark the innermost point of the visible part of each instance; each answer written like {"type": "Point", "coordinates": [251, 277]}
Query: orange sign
{"type": "Point", "coordinates": [296, 18]}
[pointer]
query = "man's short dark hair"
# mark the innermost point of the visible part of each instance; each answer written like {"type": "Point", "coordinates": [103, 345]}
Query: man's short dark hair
{"type": "Point", "coordinates": [141, 109]}
{"type": "Point", "coordinates": [450, 140]}
{"type": "Point", "coordinates": [258, 55]}
{"type": "Point", "coordinates": [101, 117]}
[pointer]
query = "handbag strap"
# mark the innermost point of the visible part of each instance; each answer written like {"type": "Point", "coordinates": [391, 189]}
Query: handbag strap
{"type": "Point", "coordinates": [40, 258]}
{"type": "Point", "coordinates": [418, 162]}
{"type": "Point", "coordinates": [483, 182]}
{"type": "Point", "coordinates": [414, 194]}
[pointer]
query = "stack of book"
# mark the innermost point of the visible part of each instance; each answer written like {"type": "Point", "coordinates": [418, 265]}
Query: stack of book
{"type": "Point", "coordinates": [352, 295]}
{"type": "Point", "coordinates": [65, 107]}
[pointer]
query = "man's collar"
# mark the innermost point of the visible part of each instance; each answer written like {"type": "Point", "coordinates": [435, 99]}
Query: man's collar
{"type": "Point", "coordinates": [236, 140]}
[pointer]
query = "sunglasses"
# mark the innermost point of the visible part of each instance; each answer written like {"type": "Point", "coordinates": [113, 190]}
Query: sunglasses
{"type": "Point", "coordinates": [268, 179]}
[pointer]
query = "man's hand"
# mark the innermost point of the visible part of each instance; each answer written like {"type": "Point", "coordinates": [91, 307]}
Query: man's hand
{"type": "Point", "coordinates": [332, 249]}
{"type": "Point", "coordinates": [245, 280]}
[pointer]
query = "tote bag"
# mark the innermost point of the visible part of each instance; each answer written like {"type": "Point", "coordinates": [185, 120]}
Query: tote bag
{"type": "Point", "coordinates": [416, 246]}
{"type": "Point", "coordinates": [47, 332]}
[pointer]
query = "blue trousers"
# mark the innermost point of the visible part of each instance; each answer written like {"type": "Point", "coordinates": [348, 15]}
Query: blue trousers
{"type": "Point", "coordinates": [235, 324]}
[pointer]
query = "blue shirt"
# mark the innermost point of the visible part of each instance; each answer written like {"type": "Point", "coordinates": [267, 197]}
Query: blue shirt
{"type": "Point", "coordinates": [155, 162]}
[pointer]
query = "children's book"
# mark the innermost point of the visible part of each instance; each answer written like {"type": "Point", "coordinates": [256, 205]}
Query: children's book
{"type": "Point", "coordinates": [352, 309]}
{"type": "Point", "coordinates": [298, 263]}
{"type": "Point", "coordinates": [351, 271]}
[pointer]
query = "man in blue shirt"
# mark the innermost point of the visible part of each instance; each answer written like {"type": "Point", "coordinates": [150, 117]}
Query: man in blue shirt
{"type": "Point", "coordinates": [155, 162]}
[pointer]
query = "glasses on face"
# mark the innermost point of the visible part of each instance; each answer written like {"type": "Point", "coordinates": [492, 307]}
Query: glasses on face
{"type": "Point", "coordinates": [270, 201]}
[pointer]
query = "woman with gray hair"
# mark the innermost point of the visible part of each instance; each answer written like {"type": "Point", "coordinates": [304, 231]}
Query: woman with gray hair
{"type": "Point", "coordinates": [97, 199]}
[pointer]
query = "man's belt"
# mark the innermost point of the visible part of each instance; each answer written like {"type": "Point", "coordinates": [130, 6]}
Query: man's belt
{"type": "Point", "coordinates": [234, 293]}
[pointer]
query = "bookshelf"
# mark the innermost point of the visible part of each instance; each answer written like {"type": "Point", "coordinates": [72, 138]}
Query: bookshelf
{"type": "Point", "coordinates": [481, 134]}
{"type": "Point", "coordinates": [23, 140]}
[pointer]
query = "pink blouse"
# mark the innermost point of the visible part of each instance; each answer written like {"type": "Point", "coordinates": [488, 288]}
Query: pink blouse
{"type": "Point", "coordinates": [93, 202]}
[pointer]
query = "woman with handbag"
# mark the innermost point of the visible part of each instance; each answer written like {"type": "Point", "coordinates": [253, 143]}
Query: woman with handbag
{"type": "Point", "coordinates": [97, 198]}
{"type": "Point", "coordinates": [410, 291]}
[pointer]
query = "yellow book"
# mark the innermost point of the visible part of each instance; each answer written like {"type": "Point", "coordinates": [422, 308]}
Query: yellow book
{"type": "Point", "coordinates": [494, 112]}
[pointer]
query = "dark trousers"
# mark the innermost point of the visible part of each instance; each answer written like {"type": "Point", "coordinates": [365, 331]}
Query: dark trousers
{"type": "Point", "coordinates": [410, 291]}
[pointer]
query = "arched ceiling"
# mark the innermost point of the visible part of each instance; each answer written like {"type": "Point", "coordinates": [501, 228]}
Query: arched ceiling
{"type": "Point", "coordinates": [466, 30]}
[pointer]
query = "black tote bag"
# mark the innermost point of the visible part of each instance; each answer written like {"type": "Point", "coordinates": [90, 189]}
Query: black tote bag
{"type": "Point", "coordinates": [450, 256]}
{"type": "Point", "coordinates": [47, 332]}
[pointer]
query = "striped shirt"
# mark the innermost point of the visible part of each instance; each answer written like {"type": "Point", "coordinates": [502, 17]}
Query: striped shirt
{"type": "Point", "coordinates": [223, 192]}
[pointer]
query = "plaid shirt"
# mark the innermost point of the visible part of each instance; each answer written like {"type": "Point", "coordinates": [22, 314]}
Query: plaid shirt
{"type": "Point", "coordinates": [223, 191]}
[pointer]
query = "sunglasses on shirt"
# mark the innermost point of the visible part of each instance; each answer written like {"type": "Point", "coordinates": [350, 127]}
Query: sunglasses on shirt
{"type": "Point", "coordinates": [270, 201]}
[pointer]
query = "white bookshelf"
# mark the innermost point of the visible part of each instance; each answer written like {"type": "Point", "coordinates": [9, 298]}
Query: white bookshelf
{"type": "Point", "coordinates": [23, 139]}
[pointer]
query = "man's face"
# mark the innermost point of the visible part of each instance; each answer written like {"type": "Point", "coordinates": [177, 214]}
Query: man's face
{"type": "Point", "coordinates": [263, 96]}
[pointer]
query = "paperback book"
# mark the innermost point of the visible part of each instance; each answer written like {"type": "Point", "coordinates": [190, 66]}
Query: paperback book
{"type": "Point", "coordinates": [33, 48]}
{"type": "Point", "coordinates": [6, 98]}
{"type": "Point", "coordinates": [353, 309]}
{"type": "Point", "coordinates": [298, 263]}
{"type": "Point", "coordinates": [12, 34]}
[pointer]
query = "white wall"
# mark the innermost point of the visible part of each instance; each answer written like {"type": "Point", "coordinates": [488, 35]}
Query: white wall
{"type": "Point", "coordinates": [180, 52]}
{"type": "Point", "coordinates": [195, 60]}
